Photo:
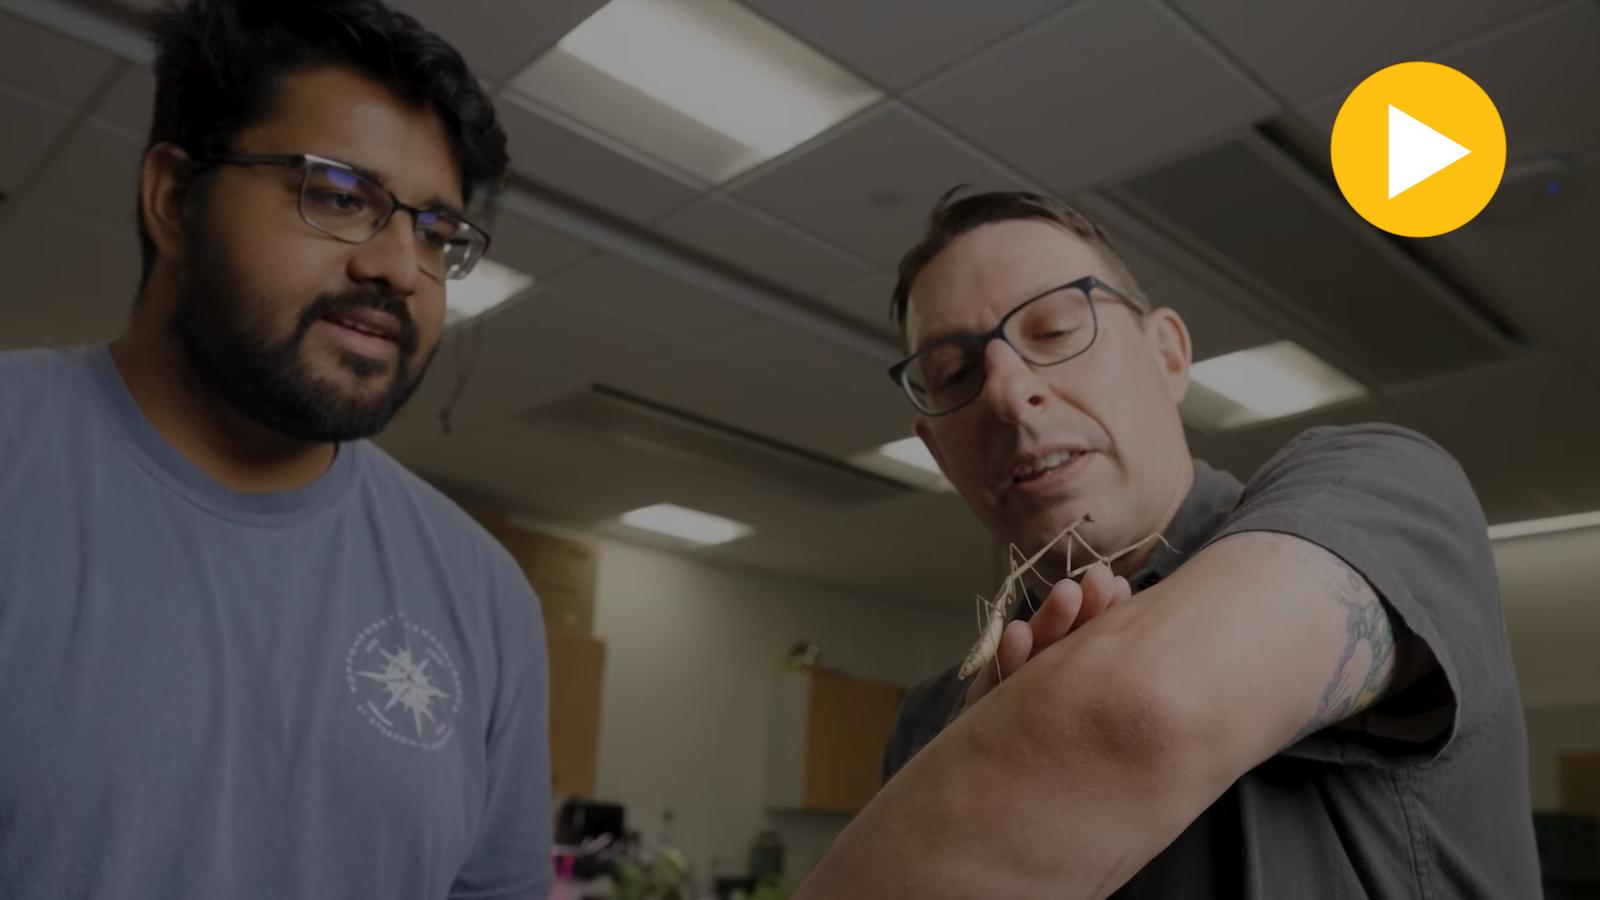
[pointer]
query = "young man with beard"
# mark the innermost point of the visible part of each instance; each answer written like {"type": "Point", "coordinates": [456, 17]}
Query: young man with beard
{"type": "Point", "coordinates": [1309, 695]}
{"type": "Point", "coordinates": [247, 655]}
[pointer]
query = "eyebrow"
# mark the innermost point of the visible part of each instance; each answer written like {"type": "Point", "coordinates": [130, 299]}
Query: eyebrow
{"type": "Point", "coordinates": [947, 334]}
{"type": "Point", "coordinates": [434, 203]}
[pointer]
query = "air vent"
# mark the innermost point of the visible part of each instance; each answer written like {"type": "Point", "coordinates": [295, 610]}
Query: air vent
{"type": "Point", "coordinates": [609, 414]}
{"type": "Point", "coordinates": [1245, 203]}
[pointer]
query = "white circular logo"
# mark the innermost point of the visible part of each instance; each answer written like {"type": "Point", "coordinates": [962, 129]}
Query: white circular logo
{"type": "Point", "coordinates": [404, 682]}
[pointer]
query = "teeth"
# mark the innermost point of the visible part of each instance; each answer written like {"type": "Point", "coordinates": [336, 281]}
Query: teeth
{"type": "Point", "coordinates": [357, 326]}
{"type": "Point", "coordinates": [1046, 463]}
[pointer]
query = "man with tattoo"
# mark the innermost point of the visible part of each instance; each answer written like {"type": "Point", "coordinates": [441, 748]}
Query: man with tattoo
{"type": "Point", "coordinates": [1309, 694]}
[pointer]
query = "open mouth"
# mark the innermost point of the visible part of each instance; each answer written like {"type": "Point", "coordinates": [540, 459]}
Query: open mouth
{"type": "Point", "coordinates": [1045, 466]}
{"type": "Point", "coordinates": [362, 325]}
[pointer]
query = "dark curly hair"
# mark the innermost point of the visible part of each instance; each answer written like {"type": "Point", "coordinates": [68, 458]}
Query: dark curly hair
{"type": "Point", "coordinates": [221, 63]}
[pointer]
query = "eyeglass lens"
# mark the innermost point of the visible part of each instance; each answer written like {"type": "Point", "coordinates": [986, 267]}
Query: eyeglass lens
{"type": "Point", "coordinates": [353, 208]}
{"type": "Point", "coordinates": [1048, 330]}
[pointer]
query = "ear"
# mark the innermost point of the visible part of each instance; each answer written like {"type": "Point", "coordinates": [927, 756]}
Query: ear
{"type": "Point", "coordinates": [1168, 339]}
{"type": "Point", "coordinates": [164, 182]}
{"type": "Point", "coordinates": [920, 426]}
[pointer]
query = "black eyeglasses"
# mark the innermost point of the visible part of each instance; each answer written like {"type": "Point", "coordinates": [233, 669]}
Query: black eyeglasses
{"type": "Point", "coordinates": [341, 202]}
{"type": "Point", "coordinates": [1045, 330]}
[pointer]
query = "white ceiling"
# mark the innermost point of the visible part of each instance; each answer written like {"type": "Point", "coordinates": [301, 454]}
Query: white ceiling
{"type": "Point", "coordinates": [1050, 95]}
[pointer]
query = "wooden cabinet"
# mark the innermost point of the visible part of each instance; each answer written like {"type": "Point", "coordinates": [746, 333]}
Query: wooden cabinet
{"type": "Point", "coordinates": [577, 664]}
{"type": "Point", "coordinates": [825, 739]}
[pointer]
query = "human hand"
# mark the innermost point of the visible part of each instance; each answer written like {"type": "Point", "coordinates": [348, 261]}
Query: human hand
{"type": "Point", "coordinates": [1068, 607]}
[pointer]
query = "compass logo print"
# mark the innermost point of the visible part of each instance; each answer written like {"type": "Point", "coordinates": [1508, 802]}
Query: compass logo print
{"type": "Point", "coordinates": [404, 682]}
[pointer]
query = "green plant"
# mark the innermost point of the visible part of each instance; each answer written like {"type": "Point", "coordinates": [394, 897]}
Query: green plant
{"type": "Point", "coordinates": [772, 887]}
{"type": "Point", "coordinates": [663, 878]}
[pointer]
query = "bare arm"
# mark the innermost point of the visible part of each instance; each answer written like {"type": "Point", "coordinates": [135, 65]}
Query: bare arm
{"type": "Point", "coordinates": [1076, 771]}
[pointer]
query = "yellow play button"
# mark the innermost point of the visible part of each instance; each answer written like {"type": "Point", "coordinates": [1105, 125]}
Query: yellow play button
{"type": "Point", "coordinates": [1418, 149]}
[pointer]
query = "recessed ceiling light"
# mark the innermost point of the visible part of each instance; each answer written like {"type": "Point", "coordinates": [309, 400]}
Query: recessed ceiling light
{"type": "Point", "coordinates": [687, 524]}
{"type": "Point", "coordinates": [906, 460]}
{"type": "Point", "coordinates": [489, 285]}
{"type": "Point", "coordinates": [1508, 530]}
{"type": "Point", "coordinates": [707, 86]}
{"type": "Point", "coordinates": [1263, 383]}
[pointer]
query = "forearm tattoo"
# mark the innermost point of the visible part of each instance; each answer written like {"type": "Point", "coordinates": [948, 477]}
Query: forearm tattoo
{"type": "Point", "coordinates": [1359, 678]}
{"type": "Point", "coordinates": [1353, 687]}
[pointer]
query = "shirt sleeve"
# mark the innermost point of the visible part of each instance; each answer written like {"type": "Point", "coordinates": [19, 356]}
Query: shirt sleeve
{"type": "Point", "coordinates": [1394, 506]}
{"type": "Point", "coordinates": [926, 710]}
{"type": "Point", "coordinates": [510, 859]}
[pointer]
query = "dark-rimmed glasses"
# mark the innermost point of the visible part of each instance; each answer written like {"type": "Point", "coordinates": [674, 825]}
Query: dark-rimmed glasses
{"type": "Point", "coordinates": [341, 202]}
{"type": "Point", "coordinates": [1045, 330]}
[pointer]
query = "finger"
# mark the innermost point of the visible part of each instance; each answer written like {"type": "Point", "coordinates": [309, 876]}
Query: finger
{"type": "Point", "coordinates": [1099, 587]}
{"type": "Point", "coordinates": [1016, 644]}
{"type": "Point", "coordinates": [1056, 615]}
{"type": "Point", "coordinates": [1009, 656]}
{"type": "Point", "coordinates": [1123, 591]}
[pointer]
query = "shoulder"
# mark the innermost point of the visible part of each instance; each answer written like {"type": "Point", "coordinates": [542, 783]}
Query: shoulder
{"type": "Point", "coordinates": [1372, 457]}
{"type": "Point", "coordinates": [29, 375]}
{"type": "Point", "coordinates": [1356, 442]}
{"type": "Point", "coordinates": [462, 539]}
{"type": "Point", "coordinates": [34, 386]}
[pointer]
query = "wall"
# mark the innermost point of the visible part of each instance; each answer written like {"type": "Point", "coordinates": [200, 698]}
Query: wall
{"type": "Point", "coordinates": [1552, 731]}
{"type": "Point", "coordinates": [689, 649]}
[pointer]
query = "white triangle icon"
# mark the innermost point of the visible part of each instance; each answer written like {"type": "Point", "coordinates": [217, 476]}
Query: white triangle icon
{"type": "Point", "coordinates": [1416, 151]}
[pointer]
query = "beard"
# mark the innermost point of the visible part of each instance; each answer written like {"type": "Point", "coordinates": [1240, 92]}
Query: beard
{"type": "Point", "coordinates": [228, 336]}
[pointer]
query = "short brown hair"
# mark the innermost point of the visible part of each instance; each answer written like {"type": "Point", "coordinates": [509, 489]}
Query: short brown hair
{"type": "Point", "coordinates": [950, 220]}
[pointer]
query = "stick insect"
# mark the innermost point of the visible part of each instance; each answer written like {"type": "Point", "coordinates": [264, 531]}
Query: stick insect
{"type": "Point", "coordinates": [1003, 606]}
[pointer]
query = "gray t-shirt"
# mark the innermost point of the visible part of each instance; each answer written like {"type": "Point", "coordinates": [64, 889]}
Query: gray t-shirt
{"type": "Point", "coordinates": [1423, 796]}
{"type": "Point", "coordinates": [329, 693]}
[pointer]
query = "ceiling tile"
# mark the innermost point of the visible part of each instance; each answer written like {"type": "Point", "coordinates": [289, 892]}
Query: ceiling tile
{"type": "Point", "coordinates": [797, 356]}
{"type": "Point", "coordinates": [751, 241]}
{"type": "Point", "coordinates": [29, 130]}
{"type": "Point", "coordinates": [1304, 49]}
{"type": "Point", "coordinates": [1168, 92]}
{"type": "Point", "coordinates": [1538, 72]}
{"type": "Point", "coordinates": [554, 333]}
{"type": "Point", "coordinates": [131, 104]}
{"type": "Point", "coordinates": [96, 176]}
{"type": "Point", "coordinates": [1539, 271]}
{"type": "Point", "coordinates": [531, 248]}
{"type": "Point", "coordinates": [867, 300]}
{"type": "Point", "coordinates": [844, 421]}
{"type": "Point", "coordinates": [44, 63]}
{"type": "Point", "coordinates": [1215, 327]}
{"type": "Point", "coordinates": [897, 43]}
{"type": "Point", "coordinates": [593, 172]}
{"type": "Point", "coordinates": [1512, 418]}
{"type": "Point", "coordinates": [708, 383]}
{"type": "Point", "coordinates": [500, 37]}
{"type": "Point", "coordinates": [492, 388]}
{"type": "Point", "coordinates": [869, 189]}
{"type": "Point", "coordinates": [653, 298]}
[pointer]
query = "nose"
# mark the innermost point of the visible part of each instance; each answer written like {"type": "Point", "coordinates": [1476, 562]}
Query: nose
{"type": "Point", "coordinates": [1012, 390]}
{"type": "Point", "coordinates": [390, 256]}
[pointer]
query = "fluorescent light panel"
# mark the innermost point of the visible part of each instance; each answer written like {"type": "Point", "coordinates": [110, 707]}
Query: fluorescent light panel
{"type": "Point", "coordinates": [1508, 530]}
{"type": "Point", "coordinates": [489, 285]}
{"type": "Point", "coordinates": [1264, 383]}
{"type": "Point", "coordinates": [906, 460]}
{"type": "Point", "coordinates": [707, 86]}
{"type": "Point", "coordinates": [687, 524]}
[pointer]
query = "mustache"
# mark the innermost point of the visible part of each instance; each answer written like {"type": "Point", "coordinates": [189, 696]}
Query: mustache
{"type": "Point", "coordinates": [326, 305]}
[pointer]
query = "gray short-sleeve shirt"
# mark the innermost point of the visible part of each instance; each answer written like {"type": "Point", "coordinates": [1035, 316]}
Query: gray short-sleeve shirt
{"type": "Point", "coordinates": [1423, 796]}
{"type": "Point", "coordinates": [332, 692]}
